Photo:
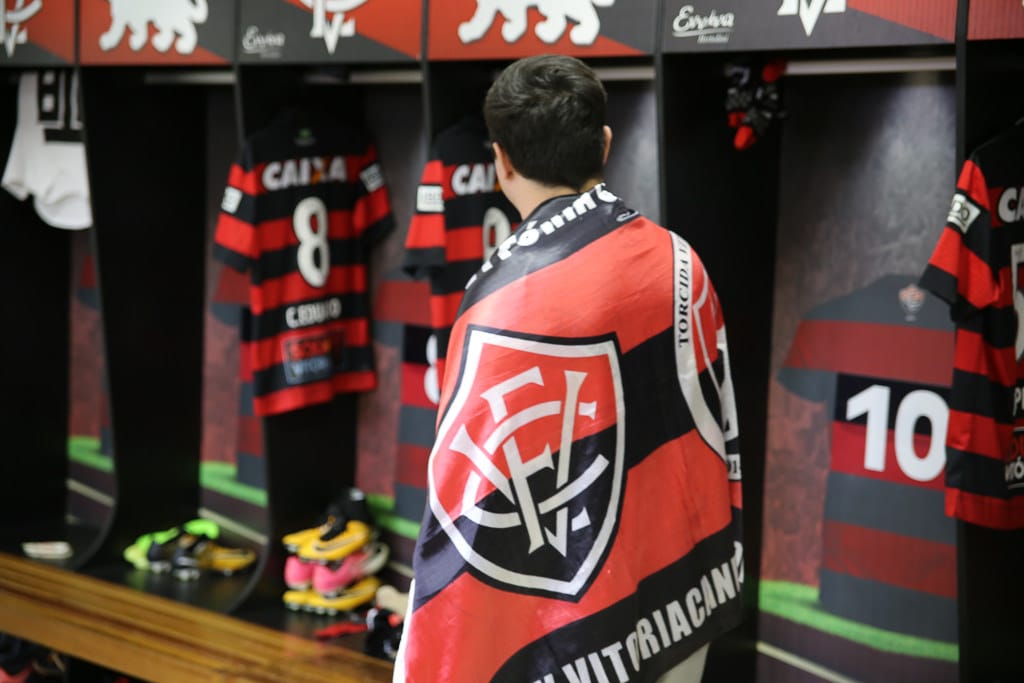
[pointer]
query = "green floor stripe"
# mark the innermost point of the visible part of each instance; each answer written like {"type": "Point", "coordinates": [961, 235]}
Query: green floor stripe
{"type": "Point", "coordinates": [799, 603]}
{"type": "Point", "coordinates": [85, 450]}
{"type": "Point", "coordinates": [220, 477]}
{"type": "Point", "coordinates": [382, 508]}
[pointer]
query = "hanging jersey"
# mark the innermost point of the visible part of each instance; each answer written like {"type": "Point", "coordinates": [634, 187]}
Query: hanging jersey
{"type": "Point", "coordinates": [47, 159]}
{"type": "Point", "coordinates": [304, 204]}
{"type": "Point", "coordinates": [461, 217]}
{"type": "Point", "coordinates": [584, 502]}
{"type": "Point", "coordinates": [978, 267]}
{"type": "Point", "coordinates": [879, 360]}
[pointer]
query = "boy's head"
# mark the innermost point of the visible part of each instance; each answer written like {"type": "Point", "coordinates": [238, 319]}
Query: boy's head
{"type": "Point", "coordinates": [548, 113]}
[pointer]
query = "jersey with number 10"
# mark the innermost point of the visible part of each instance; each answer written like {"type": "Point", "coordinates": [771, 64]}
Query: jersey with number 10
{"type": "Point", "coordinates": [304, 203]}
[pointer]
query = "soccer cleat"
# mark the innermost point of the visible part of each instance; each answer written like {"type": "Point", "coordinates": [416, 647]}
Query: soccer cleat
{"type": "Point", "coordinates": [196, 554]}
{"type": "Point", "coordinates": [155, 550]}
{"type": "Point", "coordinates": [297, 600]}
{"type": "Point", "coordinates": [344, 539]}
{"type": "Point", "coordinates": [293, 541]}
{"type": "Point", "coordinates": [350, 504]}
{"type": "Point", "coordinates": [298, 574]}
{"type": "Point", "coordinates": [330, 580]}
{"type": "Point", "coordinates": [349, 531]}
{"type": "Point", "coordinates": [354, 596]}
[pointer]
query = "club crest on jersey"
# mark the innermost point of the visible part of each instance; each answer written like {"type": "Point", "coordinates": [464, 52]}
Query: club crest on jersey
{"type": "Point", "coordinates": [911, 299]}
{"type": "Point", "coordinates": [526, 475]}
{"type": "Point", "coordinates": [12, 33]}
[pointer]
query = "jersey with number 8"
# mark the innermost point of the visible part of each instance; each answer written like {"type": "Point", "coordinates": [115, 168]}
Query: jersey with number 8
{"type": "Point", "coordinates": [304, 204]}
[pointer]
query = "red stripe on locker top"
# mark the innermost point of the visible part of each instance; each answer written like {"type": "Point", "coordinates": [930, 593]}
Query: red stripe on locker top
{"type": "Point", "coordinates": [893, 559]}
{"type": "Point", "coordinates": [403, 301]}
{"type": "Point", "coordinates": [910, 354]}
{"type": "Point", "coordinates": [934, 17]}
{"type": "Point", "coordinates": [414, 382]}
{"type": "Point", "coordinates": [250, 435]}
{"type": "Point", "coordinates": [411, 467]}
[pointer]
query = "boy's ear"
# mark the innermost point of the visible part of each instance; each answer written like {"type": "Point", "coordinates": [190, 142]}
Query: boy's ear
{"type": "Point", "coordinates": [607, 142]}
{"type": "Point", "coordinates": [502, 164]}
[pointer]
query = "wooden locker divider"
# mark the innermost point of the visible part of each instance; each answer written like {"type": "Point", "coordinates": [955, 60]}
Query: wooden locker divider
{"type": "Point", "coordinates": [737, 194]}
{"type": "Point", "coordinates": [35, 267]}
{"type": "Point", "coordinates": [990, 561]}
{"type": "Point", "coordinates": [145, 149]}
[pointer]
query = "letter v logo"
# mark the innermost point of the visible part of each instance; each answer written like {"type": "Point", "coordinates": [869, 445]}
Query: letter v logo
{"type": "Point", "coordinates": [810, 10]}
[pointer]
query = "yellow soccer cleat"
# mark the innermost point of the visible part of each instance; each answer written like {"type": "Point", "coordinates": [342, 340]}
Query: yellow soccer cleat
{"type": "Point", "coordinates": [360, 594]}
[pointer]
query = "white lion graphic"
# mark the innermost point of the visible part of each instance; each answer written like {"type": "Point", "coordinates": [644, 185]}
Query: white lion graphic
{"type": "Point", "coordinates": [170, 17]}
{"type": "Point", "coordinates": [557, 15]}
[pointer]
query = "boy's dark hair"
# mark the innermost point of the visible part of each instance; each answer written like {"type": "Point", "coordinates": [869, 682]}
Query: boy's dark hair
{"type": "Point", "coordinates": [548, 114]}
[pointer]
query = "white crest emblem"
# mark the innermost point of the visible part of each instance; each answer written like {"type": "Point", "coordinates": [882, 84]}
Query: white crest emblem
{"type": "Point", "coordinates": [329, 20]}
{"type": "Point", "coordinates": [175, 22]}
{"type": "Point", "coordinates": [12, 33]}
{"type": "Point", "coordinates": [527, 471]}
{"type": "Point", "coordinates": [810, 10]}
{"type": "Point", "coordinates": [557, 19]}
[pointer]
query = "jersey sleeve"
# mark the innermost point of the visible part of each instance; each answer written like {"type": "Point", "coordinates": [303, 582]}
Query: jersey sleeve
{"type": "Point", "coordinates": [961, 270]}
{"type": "Point", "coordinates": [235, 242]}
{"type": "Point", "coordinates": [801, 372]}
{"type": "Point", "coordinates": [372, 212]}
{"type": "Point", "coordinates": [426, 242]}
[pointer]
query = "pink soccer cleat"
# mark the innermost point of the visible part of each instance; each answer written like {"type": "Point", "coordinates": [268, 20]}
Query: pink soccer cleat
{"type": "Point", "coordinates": [331, 580]}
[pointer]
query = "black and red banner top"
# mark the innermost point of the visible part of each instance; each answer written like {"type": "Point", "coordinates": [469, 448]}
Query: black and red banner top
{"type": "Point", "coordinates": [993, 19]}
{"type": "Point", "coordinates": [288, 31]}
{"type": "Point", "coordinates": [738, 25]}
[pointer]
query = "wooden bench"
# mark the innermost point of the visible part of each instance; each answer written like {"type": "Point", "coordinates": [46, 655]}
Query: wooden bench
{"type": "Point", "coordinates": [158, 639]}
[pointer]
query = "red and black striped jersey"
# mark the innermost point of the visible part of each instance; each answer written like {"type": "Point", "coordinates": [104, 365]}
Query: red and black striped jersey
{"type": "Point", "coordinates": [978, 267]}
{"type": "Point", "coordinates": [583, 517]}
{"type": "Point", "coordinates": [461, 217]}
{"type": "Point", "coordinates": [304, 203]}
{"type": "Point", "coordinates": [878, 359]}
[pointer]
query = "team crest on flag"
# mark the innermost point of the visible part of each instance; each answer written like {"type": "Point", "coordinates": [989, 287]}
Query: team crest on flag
{"type": "Point", "coordinates": [526, 475]}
